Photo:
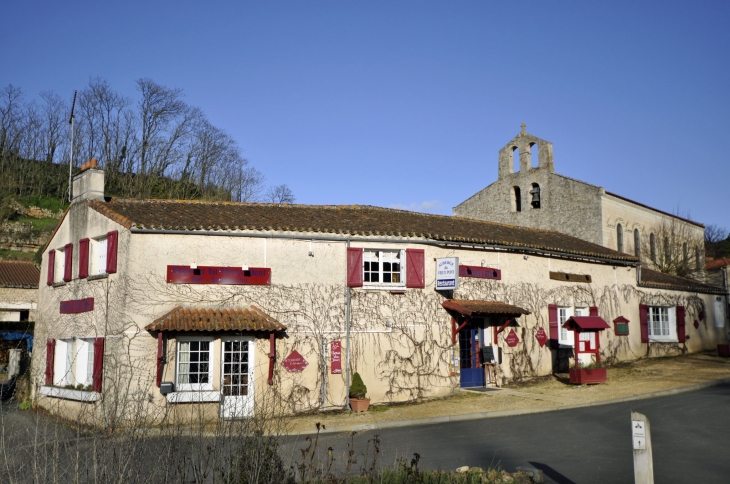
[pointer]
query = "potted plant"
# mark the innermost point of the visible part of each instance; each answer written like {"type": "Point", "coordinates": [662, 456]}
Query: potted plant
{"type": "Point", "coordinates": [358, 391]}
{"type": "Point", "coordinates": [587, 375]}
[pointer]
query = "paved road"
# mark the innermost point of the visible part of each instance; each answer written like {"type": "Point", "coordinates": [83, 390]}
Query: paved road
{"type": "Point", "coordinates": [690, 433]}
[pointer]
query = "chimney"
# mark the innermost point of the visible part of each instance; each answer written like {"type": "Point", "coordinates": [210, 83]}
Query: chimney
{"type": "Point", "coordinates": [89, 184]}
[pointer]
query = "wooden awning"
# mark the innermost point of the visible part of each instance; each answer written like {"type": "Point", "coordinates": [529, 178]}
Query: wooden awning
{"type": "Point", "coordinates": [250, 318]}
{"type": "Point", "coordinates": [475, 308]}
{"type": "Point", "coordinates": [586, 323]}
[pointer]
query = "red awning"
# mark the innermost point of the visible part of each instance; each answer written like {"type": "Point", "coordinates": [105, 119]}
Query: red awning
{"type": "Point", "coordinates": [586, 323]}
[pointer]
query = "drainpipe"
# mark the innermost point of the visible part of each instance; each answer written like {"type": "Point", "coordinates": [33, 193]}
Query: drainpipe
{"type": "Point", "coordinates": [347, 341]}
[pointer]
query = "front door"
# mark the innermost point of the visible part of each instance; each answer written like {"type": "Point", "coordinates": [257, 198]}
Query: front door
{"type": "Point", "coordinates": [472, 372]}
{"type": "Point", "coordinates": [237, 377]}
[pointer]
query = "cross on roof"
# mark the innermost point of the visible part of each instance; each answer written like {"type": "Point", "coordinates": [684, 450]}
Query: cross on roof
{"type": "Point", "coordinates": [523, 127]}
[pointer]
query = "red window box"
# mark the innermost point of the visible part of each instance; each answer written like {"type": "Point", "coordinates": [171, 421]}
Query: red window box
{"type": "Point", "coordinates": [587, 376]}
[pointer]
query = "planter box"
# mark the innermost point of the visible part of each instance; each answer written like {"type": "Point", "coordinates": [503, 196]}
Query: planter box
{"type": "Point", "coordinates": [587, 376]}
{"type": "Point", "coordinates": [359, 404]}
{"type": "Point", "coordinates": [723, 350]}
{"type": "Point", "coordinates": [70, 394]}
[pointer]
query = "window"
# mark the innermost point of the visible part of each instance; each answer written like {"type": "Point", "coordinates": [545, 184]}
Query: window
{"type": "Point", "coordinates": [697, 258]}
{"type": "Point", "coordinates": [64, 358]}
{"type": "Point", "coordinates": [516, 199]}
{"type": "Point", "coordinates": [98, 256]}
{"type": "Point", "coordinates": [652, 247]}
{"type": "Point", "coordinates": [194, 356]}
{"type": "Point", "coordinates": [515, 159]}
{"type": "Point", "coordinates": [84, 361]}
{"type": "Point", "coordinates": [383, 268]}
{"type": "Point", "coordinates": [619, 238]}
{"type": "Point", "coordinates": [662, 323]}
{"type": "Point", "coordinates": [566, 337]}
{"type": "Point", "coordinates": [535, 192]}
{"type": "Point", "coordinates": [637, 243]}
{"type": "Point", "coordinates": [60, 263]}
{"type": "Point", "coordinates": [667, 253]}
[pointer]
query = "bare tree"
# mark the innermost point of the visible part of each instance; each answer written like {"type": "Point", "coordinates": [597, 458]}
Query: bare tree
{"type": "Point", "coordinates": [54, 119]}
{"type": "Point", "coordinates": [714, 234]}
{"type": "Point", "coordinates": [674, 247]}
{"type": "Point", "coordinates": [280, 195]}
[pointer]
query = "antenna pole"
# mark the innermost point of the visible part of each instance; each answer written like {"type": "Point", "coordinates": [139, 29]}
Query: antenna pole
{"type": "Point", "coordinates": [71, 157]}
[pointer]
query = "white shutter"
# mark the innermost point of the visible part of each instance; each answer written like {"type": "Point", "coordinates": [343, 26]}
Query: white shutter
{"type": "Point", "coordinates": [101, 256]}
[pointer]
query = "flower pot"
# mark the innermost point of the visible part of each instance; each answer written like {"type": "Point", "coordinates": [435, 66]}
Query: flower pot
{"type": "Point", "coordinates": [587, 376]}
{"type": "Point", "coordinates": [359, 404]}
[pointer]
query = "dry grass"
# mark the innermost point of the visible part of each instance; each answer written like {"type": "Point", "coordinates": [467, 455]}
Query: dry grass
{"type": "Point", "coordinates": [624, 380]}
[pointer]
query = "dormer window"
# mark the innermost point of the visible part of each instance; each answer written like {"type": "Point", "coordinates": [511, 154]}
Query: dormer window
{"type": "Point", "coordinates": [535, 192]}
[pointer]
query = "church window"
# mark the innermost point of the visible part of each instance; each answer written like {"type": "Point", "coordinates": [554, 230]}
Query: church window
{"type": "Point", "coordinates": [697, 258]}
{"type": "Point", "coordinates": [619, 238]}
{"type": "Point", "coordinates": [535, 155]}
{"type": "Point", "coordinates": [535, 192]}
{"type": "Point", "coordinates": [516, 199]}
{"type": "Point", "coordinates": [685, 255]}
{"type": "Point", "coordinates": [637, 243]}
{"type": "Point", "coordinates": [515, 159]}
{"type": "Point", "coordinates": [667, 254]}
{"type": "Point", "coordinates": [652, 247]}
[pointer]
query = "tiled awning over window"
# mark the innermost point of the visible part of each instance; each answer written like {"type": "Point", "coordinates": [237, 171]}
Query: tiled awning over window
{"type": "Point", "coordinates": [586, 323]}
{"type": "Point", "coordinates": [471, 308]}
{"type": "Point", "coordinates": [245, 319]}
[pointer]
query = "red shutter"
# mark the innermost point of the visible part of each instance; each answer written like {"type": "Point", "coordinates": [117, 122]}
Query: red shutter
{"type": "Point", "coordinates": [354, 267]}
{"type": "Point", "coordinates": [415, 268]}
{"type": "Point", "coordinates": [51, 266]}
{"type": "Point", "coordinates": [68, 253]}
{"type": "Point", "coordinates": [83, 258]}
{"type": "Point", "coordinates": [98, 364]}
{"type": "Point", "coordinates": [593, 311]}
{"type": "Point", "coordinates": [160, 357]}
{"type": "Point", "coordinates": [553, 321]}
{"type": "Point", "coordinates": [644, 322]}
{"type": "Point", "coordinates": [111, 251]}
{"type": "Point", "coordinates": [681, 333]}
{"type": "Point", "coordinates": [50, 353]}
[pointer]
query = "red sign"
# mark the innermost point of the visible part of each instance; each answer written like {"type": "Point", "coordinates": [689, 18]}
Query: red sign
{"type": "Point", "coordinates": [254, 276]}
{"type": "Point", "coordinates": [294, 363]}
{"type": "Point", "coordinates": [480, 272]}
{"type": "Point", "coordinates": [77, 306]}
{"type": "Point", "coordinates": [336, 357]}
{"type": "Point", "coordinates": [512, 338]}
{"type": "Point", "coordinates": [697, 324]}
{"type": "Point", "coordinates": [541, 337]}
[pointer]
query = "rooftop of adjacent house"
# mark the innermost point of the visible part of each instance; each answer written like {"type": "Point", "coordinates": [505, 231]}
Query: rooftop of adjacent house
{"type": "Point", "coordinates": [717, 263]}
{"type": "Point", "coordinates": [19, 274]}
{"type": "Point", "coordinates": [353, 220]}
{"type": "Point", "coordinates": [662, 280]}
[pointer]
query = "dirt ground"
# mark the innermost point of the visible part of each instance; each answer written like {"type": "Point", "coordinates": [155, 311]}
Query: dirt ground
{"type": "Point", "coordinates": [624, 380]}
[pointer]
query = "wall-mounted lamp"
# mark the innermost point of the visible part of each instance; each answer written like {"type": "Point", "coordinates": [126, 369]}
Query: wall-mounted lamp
{"type": "Point", "coordinates": [194, 265]}
{"type": "Point", "coordinates": [482, 263]}
{"type": "Point", "coordinates": [244, 268]}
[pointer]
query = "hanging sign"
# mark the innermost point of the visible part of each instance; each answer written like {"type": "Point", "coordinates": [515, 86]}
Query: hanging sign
{"type": "Point", "coordinates": [294, 363]}
{"type": "Point", "coordinates": [541, 337]}
{"type": "Point", "coordinates": [696, 324]}
{"type": "Point", "coordinates": [336, 358]}
{"type": "Point", "coordinates": [253, 276]}
{"type": "Point", "coordinates": [447, 274]}
{"type": "Point", "coordinates": [480, 272]}
{"type": "Point", "coordinates": [77, 306]}
{"type": "Point", "coordinates": [512, 338]}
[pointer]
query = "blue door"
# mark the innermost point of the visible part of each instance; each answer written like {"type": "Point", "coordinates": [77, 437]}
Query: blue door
{"type": "Point", "coordinates": [472, 372]}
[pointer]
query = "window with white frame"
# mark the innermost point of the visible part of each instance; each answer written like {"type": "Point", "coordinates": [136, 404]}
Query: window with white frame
{"type": "Point", "coordinates": [194, 369]}
{"type": "Point", "coordinates": [84, 355]}
{"type": "Point", "coordinates": [566, 336]}
{"type": "Point", "coordinates": [662, 322]}
{"type": "Point", "coordinates": [97, 256]}
{"type": "Point", "coordinates": [60, 265]}
{"type": "Point", "coordinates": [383, 268]}
{"type": "Point", "coordinates": [63, 362]}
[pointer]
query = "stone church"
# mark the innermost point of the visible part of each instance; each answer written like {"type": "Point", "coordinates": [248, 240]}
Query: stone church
{"type": "Point", "coordinates": [529, 193]}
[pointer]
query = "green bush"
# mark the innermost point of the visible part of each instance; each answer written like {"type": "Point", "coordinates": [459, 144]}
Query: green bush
{"type": "Point", "coordinates": [357, 387]}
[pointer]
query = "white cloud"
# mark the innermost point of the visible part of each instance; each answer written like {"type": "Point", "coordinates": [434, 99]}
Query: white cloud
{"type": "Point", "coordinates": [428, 206]}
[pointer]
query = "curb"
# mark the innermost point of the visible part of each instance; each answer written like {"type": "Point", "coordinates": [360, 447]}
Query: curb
{"type": "Point", "coordinates": [504, 413]}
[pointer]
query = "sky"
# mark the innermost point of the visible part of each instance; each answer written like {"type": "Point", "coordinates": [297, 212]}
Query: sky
{"type": "Point", "coordinates": [406, 104]}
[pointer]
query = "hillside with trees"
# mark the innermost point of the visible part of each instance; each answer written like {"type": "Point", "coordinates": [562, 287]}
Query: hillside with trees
{"type": "Point", "coordinates": [153, 146]}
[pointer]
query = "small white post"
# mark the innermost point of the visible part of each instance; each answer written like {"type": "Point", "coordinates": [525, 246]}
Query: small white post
{"type": "Point", "coordinates": [643, 461]}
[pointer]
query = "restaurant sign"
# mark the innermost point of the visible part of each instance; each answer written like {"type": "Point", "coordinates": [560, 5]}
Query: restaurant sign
{"type": "Point", "coordinates": [77, 306]}
{"type": "Point", "coordinates": [252, 276]}
{"type": "Point", "coordinates": [512, 339]}
{"type": "Point", "coordinates": [294, 363]}
{"type": "Point", "coordinates": [447, 274]}
{"type": "Point", "coordinates": [336, 358]}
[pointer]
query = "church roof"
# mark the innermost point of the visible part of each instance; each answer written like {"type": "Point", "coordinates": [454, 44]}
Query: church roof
{"type": "Point", "coordinates": [189, 217]}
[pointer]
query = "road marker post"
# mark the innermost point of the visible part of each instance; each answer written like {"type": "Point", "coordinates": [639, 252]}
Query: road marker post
{"type": "Point", "coordinates": [643, 460]}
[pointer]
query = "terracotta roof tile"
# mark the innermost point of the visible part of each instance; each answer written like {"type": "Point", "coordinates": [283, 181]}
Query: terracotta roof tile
{"type": "Point", "coordinates": [717, 263]}
{"type": "Point", "coordinates": [19, 274]}
{"type": "Point", "coordinates": [586, 322]}
{"type": "Point", "coordinates": [663, 280]}
{"type": "Point", "coordinates": [203, 319]}
{"type": "Point", "coordinates": [361, 220]}
{"type": "Point", "coordinates": [470, 307]}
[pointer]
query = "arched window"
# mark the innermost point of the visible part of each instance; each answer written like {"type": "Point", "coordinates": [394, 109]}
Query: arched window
{"type": "Point", "coordinates": [534, 155]}
{"type": "Point", "coordinates": [652, 247]}
{"type": "Point", "coordinates": [667, 254]}
{"type": "Point", "coordinates": [685, 255]}
{"type": "Point", "coordinates": [619, 238]}
{"type": "Point", "coordinates": [535, 192]}
{"type": "Point", "coordinates": [637, 243]}
{"type": "Point", "coordinates": [698, 261]}
{"type": "Point", "coordinates": [515, 159]}
{"type": "Point", "coordinates": [516, 199]}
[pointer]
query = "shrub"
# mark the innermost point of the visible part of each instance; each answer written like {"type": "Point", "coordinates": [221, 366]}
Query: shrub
{"type": "Point", "coordinates": [357, 387]}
